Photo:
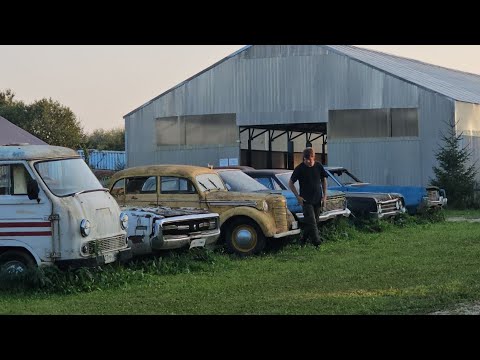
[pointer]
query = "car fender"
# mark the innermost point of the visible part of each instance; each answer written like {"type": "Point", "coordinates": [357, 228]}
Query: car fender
{"type": "Point", "coordinates": [263, 219]}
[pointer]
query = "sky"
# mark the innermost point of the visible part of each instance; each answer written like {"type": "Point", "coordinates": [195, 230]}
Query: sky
{"type": "Point", "coordinates": [102, 83]}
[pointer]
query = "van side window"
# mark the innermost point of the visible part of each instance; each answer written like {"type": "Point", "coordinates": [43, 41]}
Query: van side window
{"type": "Point", "coordinates": [14, 179]}
{"type": "Point", "coordinates": [175, 185]}
{"type": "Point", "coordinates": [141, 185]}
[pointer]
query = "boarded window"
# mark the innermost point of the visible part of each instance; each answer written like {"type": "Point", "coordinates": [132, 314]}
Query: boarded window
{"type": "Point", "coordinates": [213, 129]}
{"type": "Point", "coordinates": [372, 123]}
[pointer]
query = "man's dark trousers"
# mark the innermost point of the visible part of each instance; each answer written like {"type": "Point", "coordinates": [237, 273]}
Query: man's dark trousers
{"type": "Point", "coordinates": [311, 214]}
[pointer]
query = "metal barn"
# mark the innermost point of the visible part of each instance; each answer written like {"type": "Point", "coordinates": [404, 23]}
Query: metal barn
{"type": "Point", "coordinates": [379, 115]}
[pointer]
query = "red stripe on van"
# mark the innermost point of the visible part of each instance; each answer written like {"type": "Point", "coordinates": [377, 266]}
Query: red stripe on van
{"type": "Point", "coordinates": [25, 233]}
{"type": "Point", "coordinates": [24, 224]}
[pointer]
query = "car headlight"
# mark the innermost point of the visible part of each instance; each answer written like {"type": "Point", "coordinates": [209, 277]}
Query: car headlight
{"type": "Point", "coordinates": [264, 206]}
{"type": "Point", "coordinates": [124, 221]}
{"type": "Point", "coordinates": [397, 205]}
{"type": "Point", "coordinates": [85, 249]}
{"type": "Point", "coordinates": [85, 227]}
{"type": "Point", "coordinates": [379, 208]}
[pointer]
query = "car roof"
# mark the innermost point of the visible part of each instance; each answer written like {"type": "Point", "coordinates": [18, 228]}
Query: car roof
{"type": "Point", "coordinates": [166, 170]}
{"type": "Point", "coordinates": [267, 171]}
{"type": "Point", "coordinates": [35, 152]}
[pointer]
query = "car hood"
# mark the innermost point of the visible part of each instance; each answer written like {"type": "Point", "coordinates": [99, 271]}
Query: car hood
{"type": "Point", "coordinates": [378, 196]}
{"type": "Point", "coordinates": [239, 196]}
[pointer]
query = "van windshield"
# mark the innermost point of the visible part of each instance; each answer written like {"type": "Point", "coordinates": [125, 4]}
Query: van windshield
{"type": "Point", "coordinates": [67, 176]}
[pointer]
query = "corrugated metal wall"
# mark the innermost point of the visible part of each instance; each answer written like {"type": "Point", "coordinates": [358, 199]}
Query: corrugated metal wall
{"type": "Point", "coordinates": [104, 159]}
{"type": "Point", "coordinates": [298, 84]}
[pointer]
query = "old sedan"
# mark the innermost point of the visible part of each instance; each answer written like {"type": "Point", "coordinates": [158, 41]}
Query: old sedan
{"type": "Point", "coordinates": [417, 198]}
{"type": "Point", "coordinates": [247, 220]}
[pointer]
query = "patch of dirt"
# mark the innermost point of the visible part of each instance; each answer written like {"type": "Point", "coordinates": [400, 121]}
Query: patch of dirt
{"type": "Point", "coordinates": [460, 218]}
{"type": "Point", "coordinates": [462, 309]}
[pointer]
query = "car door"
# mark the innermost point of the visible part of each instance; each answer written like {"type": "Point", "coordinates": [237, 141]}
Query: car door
{"type": "Point", "coordinates": [21, 219]}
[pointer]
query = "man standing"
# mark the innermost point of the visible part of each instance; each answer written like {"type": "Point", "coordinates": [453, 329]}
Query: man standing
{"type": "Point", "coordinates": [312, 178]}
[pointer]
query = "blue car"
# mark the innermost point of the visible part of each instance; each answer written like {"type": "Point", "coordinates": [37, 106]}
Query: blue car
{"type": "Point", "coordinates": [416, 198]}
{"type": "Point", "coordinates": [376, 205]}
{"type": "Point", "coordinates": [277, 179]}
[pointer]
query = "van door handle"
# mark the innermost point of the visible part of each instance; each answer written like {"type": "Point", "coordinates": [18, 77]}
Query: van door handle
{"type": "Point", "coordinates": [134, 198]}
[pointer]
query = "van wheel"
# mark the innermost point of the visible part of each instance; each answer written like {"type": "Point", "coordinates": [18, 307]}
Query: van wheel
{"type": "Point", "coordinates": [15, 262]}
{"type": "Point", "coordinates": [244, 237]}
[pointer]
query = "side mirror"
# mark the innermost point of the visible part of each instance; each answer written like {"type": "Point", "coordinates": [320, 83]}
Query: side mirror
{"type": "Point", "coordinates": [32, 189]}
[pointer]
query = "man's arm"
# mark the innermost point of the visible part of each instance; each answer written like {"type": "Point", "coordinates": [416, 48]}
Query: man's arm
{"type": "Point", "coordinates": [292, 187]}
{"type": "Point", "coordinates": [324, 188]}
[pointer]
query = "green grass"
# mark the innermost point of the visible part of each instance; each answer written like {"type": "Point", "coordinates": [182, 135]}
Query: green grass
{"type": "Point", "coordinates": [414, 268]}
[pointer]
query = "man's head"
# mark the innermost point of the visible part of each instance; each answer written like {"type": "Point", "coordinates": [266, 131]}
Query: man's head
{"type": "Point", "coordinates": [309, 156]}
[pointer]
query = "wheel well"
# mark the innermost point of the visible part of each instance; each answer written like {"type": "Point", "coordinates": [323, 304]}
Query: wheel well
{"type": "Point", "coordinates": [4, 249]}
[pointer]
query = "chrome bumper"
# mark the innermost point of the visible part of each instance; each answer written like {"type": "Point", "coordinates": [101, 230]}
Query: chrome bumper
{"type": "Point", "coordinates": [168, 242]}
{"type": "Point", "coordinates": [287, 233]}
{"type": "Point", "coordinates": [327, 215]}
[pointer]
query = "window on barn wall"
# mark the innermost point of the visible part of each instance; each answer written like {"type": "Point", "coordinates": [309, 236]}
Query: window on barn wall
{"type": "Point", "coordinates": [169, 131]}
{"type": "Point", "coordinates": [372, 123]}
{"type": "Point", "coordinates": [211, 129]}
{"type": "Point", "coordinates": [404, 122]}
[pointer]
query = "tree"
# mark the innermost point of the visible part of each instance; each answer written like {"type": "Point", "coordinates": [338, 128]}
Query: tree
{"type": "Point", "coordinates": [453, 173]}
{"type": "Point", "coordinates": [46, 119]}
{"type": "Point", "coordinates": [102, 139]}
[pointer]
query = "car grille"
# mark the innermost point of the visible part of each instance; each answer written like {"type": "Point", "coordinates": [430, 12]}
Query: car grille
{"type": "Point", "coordinates": [433, 195]}
{"type": "Point", "coordinates": [389, 206]}
{"type": "Point", "coordinates": [279, 207]}
{"type": "Point", "coordinates": [99, 246]}
{"type": "Point", "coordinates": [189, 226]}
{"type": "Point", "coordinates": [338, 202]}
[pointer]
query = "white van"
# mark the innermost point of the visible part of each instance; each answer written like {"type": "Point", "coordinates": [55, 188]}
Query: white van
{"type": "Point", "coordinates": [53, 210]}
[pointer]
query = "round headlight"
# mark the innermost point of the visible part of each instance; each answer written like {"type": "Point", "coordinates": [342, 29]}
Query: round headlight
{"type": "Point", "coordinates": [84, 249]}
{"type": "Point", "coordinates": [124, 221]}
{"type": "Point", "coordinates": [85, 227]}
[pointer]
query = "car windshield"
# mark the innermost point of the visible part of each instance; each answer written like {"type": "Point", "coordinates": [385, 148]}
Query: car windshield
{"type": "Point", "coordinates": [209, 182]}
{"type": "Point", "coordinates": [237, 180]}
{"type": "Point", "coordinates": [68, 176]}
{"type": "Point", "coordinates": [285, 178]}
{"type": "Point", "coordinates": [343, 177]}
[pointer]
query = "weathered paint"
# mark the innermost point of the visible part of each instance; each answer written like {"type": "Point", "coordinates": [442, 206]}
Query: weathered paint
{"type": "Point", "coordinates": [226, 203]}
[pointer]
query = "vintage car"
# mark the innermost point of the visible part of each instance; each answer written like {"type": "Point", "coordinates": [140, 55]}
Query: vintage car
{"type": "Point", "coordinates": [277, 179]}
{"type": "Point", "coordinates": [376, 205]}
{"type": "Point", "coordinates": [417, 198]}
{"type": "Point", "coordinates": [247, 220]}
{"type": "Point", "coordinates": [154, 229]}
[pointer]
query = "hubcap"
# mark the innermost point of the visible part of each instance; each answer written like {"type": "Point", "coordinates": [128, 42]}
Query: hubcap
{"type": "Point", "coordinates": [244, 238]}
{"type": "Point", "coordinates": [13, 267]}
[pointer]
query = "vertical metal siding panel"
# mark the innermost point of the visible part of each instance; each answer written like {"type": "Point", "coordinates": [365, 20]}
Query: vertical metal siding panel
{"type": "Point", "coordinates": [190, 155]}
{"type": "Point", "coordinates": [473, 144]}
{"type": "Point", "coordinates": [379, 161]}
{"type": "Point", "coordinates": [435, 111]}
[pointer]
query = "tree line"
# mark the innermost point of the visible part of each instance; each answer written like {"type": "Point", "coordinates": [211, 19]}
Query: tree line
{"type": "Point", "coordinates": [57, 124]}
